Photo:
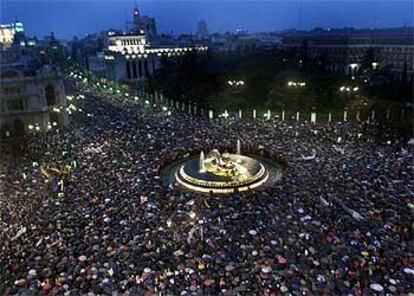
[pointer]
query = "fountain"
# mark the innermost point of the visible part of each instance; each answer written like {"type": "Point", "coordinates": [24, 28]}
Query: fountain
{"type": "Point", "coordinates": [221, 173]}
{"type": "Point", "coordinates": [201, 167]}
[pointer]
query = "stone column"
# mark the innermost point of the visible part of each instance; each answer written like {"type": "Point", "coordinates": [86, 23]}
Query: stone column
{"type": "Point", "coordinates": [283, 115]}
{"type": "Point", "coordinates": [254, 113]}
{"type": "Point", "coordinates": [329, 117]}
{"type": "Point", "coordinates": [313, 117]}
{"type": "Point", "coordinates": [240, 114]}
{"type": "Point", "coordinates": [297, 116]}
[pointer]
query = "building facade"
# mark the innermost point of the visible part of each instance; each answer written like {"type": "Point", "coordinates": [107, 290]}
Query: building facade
{"type": "Point", "coordinates": [129, 57]}
{"type": "Point", "coordinates": [31, 99]}
{"type": "Point", "coordinates": [349, 51]}
{"type": "Point", "coordinates": [8, 33]}
{"type": "Point", "coordinates": [135, 65]}
{"type": "Point", "coordinates": [127, 43]}
{"type": "Point", "coordinates": [97, 64]}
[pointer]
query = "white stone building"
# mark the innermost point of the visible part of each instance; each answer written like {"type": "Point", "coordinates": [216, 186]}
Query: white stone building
{"type": "Point", "coordinates": [129, 58]}
{"type": "Point", "coordinates": [8, 32]}
{"type": "Point", "coordinates": [31, 100]}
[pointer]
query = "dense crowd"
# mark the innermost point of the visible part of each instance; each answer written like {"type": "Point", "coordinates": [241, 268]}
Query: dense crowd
{"type": "Point", "coordinates": [339, 222]}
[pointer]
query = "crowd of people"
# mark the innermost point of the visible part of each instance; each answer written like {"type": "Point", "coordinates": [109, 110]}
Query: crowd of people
{"type": "Point", "coordinates": [339, 222]}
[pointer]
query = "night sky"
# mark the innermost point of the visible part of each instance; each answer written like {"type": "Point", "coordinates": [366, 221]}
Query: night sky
{"type": "Point", "coordinates": [69, 18]}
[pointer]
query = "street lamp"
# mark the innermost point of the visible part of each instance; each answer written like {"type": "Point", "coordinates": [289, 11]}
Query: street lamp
{"type": "Point", "coordinates": [296, 84]}
{"type": "Point", "coordinates": [349, 89]}
{"type": "Point", "coordinates": [235, 83]}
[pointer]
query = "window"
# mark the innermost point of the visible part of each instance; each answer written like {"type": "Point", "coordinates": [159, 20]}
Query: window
{"type": "Point", "coordinates": [10, 74]}
{"type": "Point", "coordinates": [18, 127]}
{"type": "Point", "coordinates": [11, 90]}
{"type": "Point", "coordinates": [15, 105]}
{"type": "Point", "coordinates": [53, 117]}
{"type": "Point", "coordinates": [50, 95]}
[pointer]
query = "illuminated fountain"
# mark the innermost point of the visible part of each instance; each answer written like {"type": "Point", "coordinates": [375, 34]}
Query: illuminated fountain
{"type": "Point", "coordinates": [201, 168]}
{"type": "Point", "coordinates": [221, 173]}
{"type": "Point", "coordinates": [238, 147]}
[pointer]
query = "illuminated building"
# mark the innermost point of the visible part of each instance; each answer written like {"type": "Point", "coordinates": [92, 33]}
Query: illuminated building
{"type": "Point", "coordinates": [136, 67]}
{"type": "Point", "coordinates": [127, 43]}
{"type": "Point", "coordinates": [30, 99]}
{"type": "Point", "coordinates": [130, 58]}
{"type": "Point", "coordinates": [8, 33]}
{"type": "Point", "coordinates": [345, 51]}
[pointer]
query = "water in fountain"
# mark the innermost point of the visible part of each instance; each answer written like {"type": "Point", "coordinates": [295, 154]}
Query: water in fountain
{"type": "Point", "coordinates": [238, 147]}
{"type": "Point", "coordinates": [201, 163]}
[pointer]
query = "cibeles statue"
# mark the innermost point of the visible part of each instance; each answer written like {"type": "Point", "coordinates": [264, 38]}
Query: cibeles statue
{"type": "Point", "coordinates": [219, 164]}
{"type": "Point", "coordinates": [215, 156]}
{"type": "Point", "coordinates": [220, 173]}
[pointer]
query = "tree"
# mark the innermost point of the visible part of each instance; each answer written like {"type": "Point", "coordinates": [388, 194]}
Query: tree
{"type": "Point", "coordinates": [188, 77]}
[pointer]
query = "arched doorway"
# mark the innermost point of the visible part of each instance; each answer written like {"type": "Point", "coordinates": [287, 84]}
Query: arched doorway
{"type": "Point", "coordinates": [18, 127]}
{"type": "Point", "coordinates": [53, 117]}
{"type": "Point", "coordinates": [50, 95]}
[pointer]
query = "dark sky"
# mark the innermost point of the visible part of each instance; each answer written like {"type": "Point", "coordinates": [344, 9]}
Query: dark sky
{"type": "Point", "coordinates": [70, 17]}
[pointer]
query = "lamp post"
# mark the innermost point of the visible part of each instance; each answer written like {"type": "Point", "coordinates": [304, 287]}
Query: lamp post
{"type": "Point", "coordinates": [349, 90]}
{"type": "Point", "coordinates": [236, 85]}
{"type": "Point", "coordinates": [296, 85]}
